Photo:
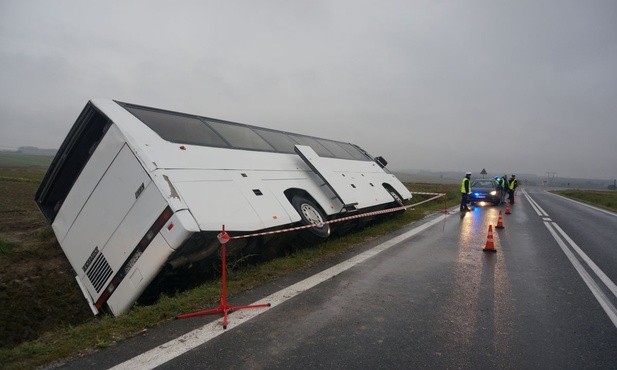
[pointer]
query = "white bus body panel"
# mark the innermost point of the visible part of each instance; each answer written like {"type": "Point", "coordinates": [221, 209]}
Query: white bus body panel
{"type": "Point", "coordinates": [113, 219]}
{"type": "Point", "coordinates": [152, 260]}
{"type": "Point", "coordinates": [141, 274]}
{"type": "Point", "coordinates": [89, 178]}
{"type": "Point", "coordinates": [105, 208]}
{"type": "Point", "coordinates": [221, 200]}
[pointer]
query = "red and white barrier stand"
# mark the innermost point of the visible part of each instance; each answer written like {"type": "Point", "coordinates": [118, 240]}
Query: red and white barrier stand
{"type": "Point", "coordinates": [223, 308]}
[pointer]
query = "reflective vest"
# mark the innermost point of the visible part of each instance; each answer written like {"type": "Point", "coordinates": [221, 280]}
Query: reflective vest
{"type": "Point", "coordinates": [463, 190]}
{"type": "Point", "coordinates": [512, 184]}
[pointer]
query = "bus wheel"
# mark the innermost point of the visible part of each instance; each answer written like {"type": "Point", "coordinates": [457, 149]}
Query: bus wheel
{"type": "Point", "coordinates": [311, 215]}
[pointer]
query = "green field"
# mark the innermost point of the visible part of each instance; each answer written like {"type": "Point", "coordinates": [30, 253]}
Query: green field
{"type": "Point", "coordinates": [22, 160]}
{"type": "Point", "coordinates": [606, 199]}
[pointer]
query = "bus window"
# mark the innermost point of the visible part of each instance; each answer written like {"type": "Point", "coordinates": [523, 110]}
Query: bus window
{"type": "Point", "coordinates": [337, 150]}
{"type": "Point", "coordinates": [178, 128]}
{"type": "Point", "coordinates": [279, 140]}
{"type": "Point", "coordinates": [355, 153]}
{"type": "Point", "coordinates": [318, 148]}
{"type": "Point", "coordinates": [240, 137]}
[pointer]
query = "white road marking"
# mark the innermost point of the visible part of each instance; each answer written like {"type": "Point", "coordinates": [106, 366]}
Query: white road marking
{"type": "Point", "coordinates": [610, 310]}
{"type": "Point", "coordinates": [554, 229]}
{"type": "Point", "coordinates": [536, 207]}
{"type": "Point", "coordinates": [176, 347]}
{"type": "Point", "coordinates": [605, 279]}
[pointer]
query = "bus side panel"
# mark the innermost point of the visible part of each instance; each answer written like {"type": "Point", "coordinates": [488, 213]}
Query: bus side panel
{"type": "Point", "coordinates": [245, 200]}
{"type": "Point", "coordinates": [99, 162]}
{"type": "Point", "coordinates": [400, 188]}
{"type": "Point", "coordinates": [217, 202]}
{"type": "Point", "coordinates": [140, 276]}
{"type": "Point", "coordinates": [259, 193]}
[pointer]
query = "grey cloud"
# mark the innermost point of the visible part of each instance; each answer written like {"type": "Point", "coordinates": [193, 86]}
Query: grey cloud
{"type": "Point", "coordinates": [525, 86]}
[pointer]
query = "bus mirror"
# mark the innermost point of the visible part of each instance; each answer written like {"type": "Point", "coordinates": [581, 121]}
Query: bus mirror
{"type": "Point", "coordinates": [381, 161]}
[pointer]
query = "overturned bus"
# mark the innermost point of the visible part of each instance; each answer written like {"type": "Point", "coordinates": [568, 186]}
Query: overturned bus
{"type": "Point", "coordinates": [133, 189]}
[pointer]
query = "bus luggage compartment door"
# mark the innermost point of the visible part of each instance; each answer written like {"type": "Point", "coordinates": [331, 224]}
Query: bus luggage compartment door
{"type": "Point", "coordinates": [345, 189]}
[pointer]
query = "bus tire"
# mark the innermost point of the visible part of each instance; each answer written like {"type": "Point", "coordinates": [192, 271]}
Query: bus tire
{"type": "Point", "coordinates": [311, 214]}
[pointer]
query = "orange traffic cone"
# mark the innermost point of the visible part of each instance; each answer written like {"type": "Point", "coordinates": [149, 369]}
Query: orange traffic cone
{"type": "Point", "coordinates": [508, 208]}
{"type": "Point", "coordinates": [499, 222]}
{"type": "Point", "coordinates": [490, 246]}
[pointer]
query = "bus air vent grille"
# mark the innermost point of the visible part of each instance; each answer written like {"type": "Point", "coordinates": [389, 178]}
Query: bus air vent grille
{"type": "Point", "coordinates": [99, 272]}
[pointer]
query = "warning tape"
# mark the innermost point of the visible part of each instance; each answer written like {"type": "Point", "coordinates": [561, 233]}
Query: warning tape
{"type": "Point", "coordinates": [347, 218]}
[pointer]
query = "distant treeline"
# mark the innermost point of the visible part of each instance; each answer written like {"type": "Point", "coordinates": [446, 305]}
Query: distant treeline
{"type": "Point", "coordinates": [32, 150]}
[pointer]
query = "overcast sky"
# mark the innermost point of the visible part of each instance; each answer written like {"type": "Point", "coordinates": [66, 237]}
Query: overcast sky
{"type": "Point", "coordinates": [510, 86]}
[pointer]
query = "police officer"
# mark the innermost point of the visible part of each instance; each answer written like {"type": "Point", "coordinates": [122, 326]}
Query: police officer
{"type": "Point", "coordinates": [513, 183]}
{"type": "Point", "coordinates": [465, 191]}
{"type": "Point", "coordinates": [500, 189]}
{"type": "Point", "coordinates": [506, 188]}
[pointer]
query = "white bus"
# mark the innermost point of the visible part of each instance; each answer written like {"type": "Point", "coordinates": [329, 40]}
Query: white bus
{"type": "Point", "coordinates": [133, 189]}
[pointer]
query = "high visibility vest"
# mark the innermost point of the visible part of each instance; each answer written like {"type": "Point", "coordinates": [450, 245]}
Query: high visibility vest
{"type": "Point", "coordinates": [463, 185]}
{"type": "Point", "coordinates": [512, 184]}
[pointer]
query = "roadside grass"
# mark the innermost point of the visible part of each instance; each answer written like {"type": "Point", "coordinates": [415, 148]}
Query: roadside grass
{"type": "Point", "coordinates": [16, 179]}
{"type": "Point", "coordinates": [5, 247]}
{"type": "Point", "coordinates": [103, 331]}
{"type": "Point", "coordinates": [45, 235]}
{"type": "Point", "coordinates": [22, 174]}
{"type": "Point", "coordinates": [606, 199]}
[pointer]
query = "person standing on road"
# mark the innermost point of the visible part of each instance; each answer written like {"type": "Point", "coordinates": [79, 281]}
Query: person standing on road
{"type": "Point", "coordinates": [500, 187]}
{"type": "Point", "coordinates": [465, 191]}
{"type": "Point", "coordinates": [513, 183]}
{"type": "Point", "coordinates": [506, 188]}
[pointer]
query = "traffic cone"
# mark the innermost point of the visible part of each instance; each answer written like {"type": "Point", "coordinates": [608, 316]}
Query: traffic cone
{"type": "Point", "coordinates": [490, 246]}
{"type": "Point", "coordinates": [499, 222]}
{"type": "Point", "coordinates": [508, 208]}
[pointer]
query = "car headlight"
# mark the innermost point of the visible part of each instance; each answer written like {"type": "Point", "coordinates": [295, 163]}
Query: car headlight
{"type": "Point", "coordinates": [494, 192]}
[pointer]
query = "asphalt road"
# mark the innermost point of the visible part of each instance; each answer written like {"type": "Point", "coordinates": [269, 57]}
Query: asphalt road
{"type": "Point", "coordinates": [429, 299]}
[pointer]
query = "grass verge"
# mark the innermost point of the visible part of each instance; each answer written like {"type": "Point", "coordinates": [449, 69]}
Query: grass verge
{"type": "Point", "coordinates": [104, 331]}
{"type": "Point", "coordinates": [5, 247]}
{"type": "Point", "coordinates": [606, 199]}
